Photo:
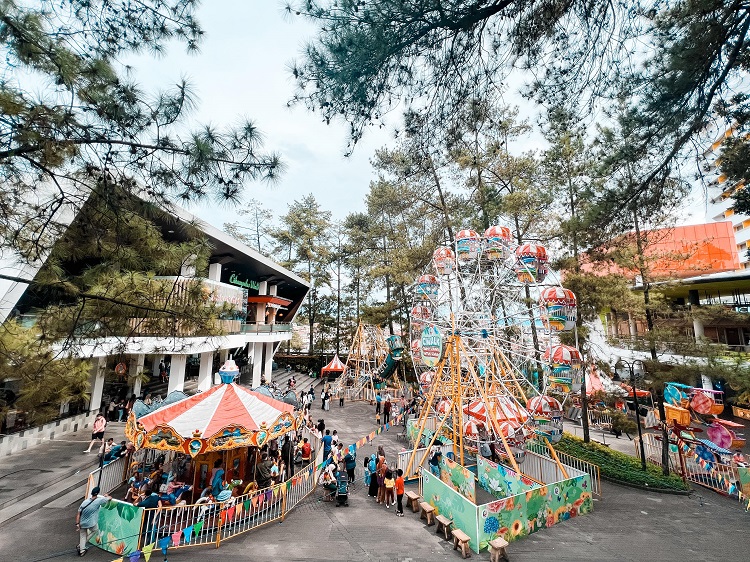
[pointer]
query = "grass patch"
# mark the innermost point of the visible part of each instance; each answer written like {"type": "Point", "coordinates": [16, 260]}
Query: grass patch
{"type": "Point", "coordinates": [619, 466]}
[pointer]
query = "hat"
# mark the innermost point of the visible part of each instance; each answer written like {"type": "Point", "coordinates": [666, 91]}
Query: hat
{"type": "Point", "coordinates": [224, 495]}
{"type": "Point", "coordinates": [95, 491]}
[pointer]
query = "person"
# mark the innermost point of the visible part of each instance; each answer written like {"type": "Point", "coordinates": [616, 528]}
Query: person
{"type": "Point", "coordinates": [120, 409]}
{"type": "Point", "coordinates": [106, 448]}
{"type": "Point", "coordinates": [115, 452]}
{"type": "Point", "coordinates": [338, 454]}
{"type": "Point", "coordinates": [327, 444]}
{"type": "Point", "coordinates": [129, 405]}
{"type": "Point", "coordinates": [378, 400]}
{"type": "Point", "coordinates": [87, 518]}
{"type": "Point", "coordinates": [321, 426]}
{"type": "Point", "coordinates": [327, 401]}
{"type": "Point", "coordinates": [372, 468]}
{"type": "Point", "coordinates": [382, 469]}
{"type": "Point", "coordinates": [350, 462]}
{"type": "Point", "coordinates": [174, 497]}
{"type": "Point", "coordinates": [288, 456]}
{"type": "Point", "coordinates": [217, 477]}
{"type": "Point", "coordinates": [306, 452]}
{"type": "Point", "coordinates": [390, 485]}
{"type": "Point", "coordinates": [147, 400]}
{"type": "Point", "coordinates": [399, 484]}
{"type": "Point", "coordinates": [435, 463]}
{"type": "Point", "coordinates": [387, 411]}
{"type": "Point", "coordinates": [97, 431]}
{"type": "Point", "coordinates": [162, 371]}
{"type": "Point", "coordinates": [335, 437]}
{"type": "Point", "coordinates": [341, 398]}
{"type": "Point", "coordinates": [264, 472]}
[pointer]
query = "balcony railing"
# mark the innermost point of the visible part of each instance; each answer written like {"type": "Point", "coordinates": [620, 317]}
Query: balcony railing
{"type": "Point", "coordinates": [685, 347]}
{"type": "Point", "coordinates": [256, 328]}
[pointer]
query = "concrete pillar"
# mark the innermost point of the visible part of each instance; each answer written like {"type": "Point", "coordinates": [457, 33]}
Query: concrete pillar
{"type": "Point", "coordinates": [214, 271]}
{"type": "Point", "coordinates": [268, 361]}
{"type": "Point", "coordinates": [177, 373]}
{"type": "Point", "coordinates": [204, 373]}
{"type": "Point", "coordinates": [698, 328]}
{"type": "Point", "coordinates": [260, 313]}
{"type": "Point", "coordinates": [97, 383]}
{"type": "Point", "coordinates": [631, 324]}
{"type": "Point", "coordinates": [155, 360]}
{"type": "Point", "coordinates": [273, 290]}
{"type": "Point", "coordinates": [257, 363]}
{"type": "Point", "coordinates": [187, 269]}
{"type": "Point", "coordinates": [135, 370]}
{"type": "Point", "coordinates": [263, 288]}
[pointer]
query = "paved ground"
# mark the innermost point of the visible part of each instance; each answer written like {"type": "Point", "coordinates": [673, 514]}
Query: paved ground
{"type": "Point", "coordinates": [627, 524]}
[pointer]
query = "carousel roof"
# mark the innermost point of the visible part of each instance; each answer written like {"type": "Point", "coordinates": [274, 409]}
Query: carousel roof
{"type": "Point", "coordinates": [335, 366]}
{"type": "Point", "coordinates": [205, 414]}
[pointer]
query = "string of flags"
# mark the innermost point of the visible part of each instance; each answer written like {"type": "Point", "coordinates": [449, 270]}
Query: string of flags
{"type": "Point", "coordinates": [368, 438]}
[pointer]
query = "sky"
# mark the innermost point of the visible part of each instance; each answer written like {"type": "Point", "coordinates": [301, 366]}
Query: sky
{"type": "Point", "coordinates": [242, 71]}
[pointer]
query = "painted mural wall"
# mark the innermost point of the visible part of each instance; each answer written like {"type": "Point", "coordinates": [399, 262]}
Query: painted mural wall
{"type": "Point", "coordinates": [459, 478]}
{"type": "Point", "coordinates": [539, 508]}
{"type": "Point", "coordinates": [119, 527]}
{"type": "Point", "coordinates": [451, 504]}
{"type": "Point", "coordinates": [500, 480]}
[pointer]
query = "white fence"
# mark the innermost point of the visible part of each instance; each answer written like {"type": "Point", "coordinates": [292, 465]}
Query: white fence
{"type": "Point", "coordinates": [579, 465]}
{"type": "Point", "coordinates": [109, 477]}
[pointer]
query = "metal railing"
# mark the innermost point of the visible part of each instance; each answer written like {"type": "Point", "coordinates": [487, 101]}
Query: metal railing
{"type": "Point", "coordinates": [568, 460]}
{"type": "Point", "coordinates": [266, 328]}
{"type": "Point", "coordinates": [109, 477]}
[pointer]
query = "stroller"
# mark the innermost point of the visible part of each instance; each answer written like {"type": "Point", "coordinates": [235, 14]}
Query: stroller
{"type": "Point", "coordinates": [342, 489]}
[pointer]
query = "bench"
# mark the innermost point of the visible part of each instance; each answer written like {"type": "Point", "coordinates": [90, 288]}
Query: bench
{"type": "Point", "coordinates": [497, 549]}
{"type": "Point", "coordinates": [427, 512]}
{"type": "Point", "coordinates": [412, 499]}
{"type": "Point", "coordinates": [461, 538]}
{"type": "Point", "coordinates": [443, 524]}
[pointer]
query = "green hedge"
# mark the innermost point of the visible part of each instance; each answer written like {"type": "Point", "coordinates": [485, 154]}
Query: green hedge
{"type": "Point", "coordinates": [619, 466]}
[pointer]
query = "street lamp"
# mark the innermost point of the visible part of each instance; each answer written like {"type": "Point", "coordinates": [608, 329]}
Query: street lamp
{"type": "Point", "coordinates": [630, 366]}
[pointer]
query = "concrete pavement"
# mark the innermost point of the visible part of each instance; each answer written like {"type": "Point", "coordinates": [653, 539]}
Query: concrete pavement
{"type": "Point", "coordinates": [626, 524]}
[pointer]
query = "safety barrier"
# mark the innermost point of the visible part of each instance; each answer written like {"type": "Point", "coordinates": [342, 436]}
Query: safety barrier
{"type": "Point", "coordinates": [109, 477]}
{"type": "Point", "coordinates": [579, 464]}
{"type": "Point", "coordinates": [205, 523]}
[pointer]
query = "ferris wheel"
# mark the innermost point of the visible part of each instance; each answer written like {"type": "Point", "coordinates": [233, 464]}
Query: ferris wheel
{"type": "Point", "coordinates": [484, 334]}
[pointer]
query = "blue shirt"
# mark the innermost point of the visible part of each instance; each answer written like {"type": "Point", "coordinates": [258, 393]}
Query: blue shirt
{"type": "Point", "coordinates": [327, 440]}
{"type": "Point", "coordinates": [378, 398]}
{"type": "Point", "coordinates": [89, 511]}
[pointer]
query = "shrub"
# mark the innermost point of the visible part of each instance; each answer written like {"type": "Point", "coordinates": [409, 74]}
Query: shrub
{"type": "Point", "coordinates": [619, 466]}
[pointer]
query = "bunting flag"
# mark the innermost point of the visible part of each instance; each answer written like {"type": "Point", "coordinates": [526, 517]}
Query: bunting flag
{"type": "Point", "coordinates": [246, 504]}
{"type": "Point", "coordinates": [176, 538]}
{"type": "Point", "coordinates": [198, 527]}
{"type": "Point", "coordinates": [239, 510]}
{"type": "Point", "coordinates": [222, 517]}
{"type": "Point", "coordinates": [147, 551]}
{"type": "Point", "coordinates": [188, 532]}
{"type": "Point", "coordinates": [230, 513]}
{"type": "Point", "coordinates": [134, 556]}
{"type": "Point", "coordinates": [164, 544]}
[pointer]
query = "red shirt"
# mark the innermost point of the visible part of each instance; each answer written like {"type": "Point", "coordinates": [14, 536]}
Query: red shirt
{"type": "Point", "coordinates": [306, 449]}
{"type": "Point", "coordinates": [400, 485]}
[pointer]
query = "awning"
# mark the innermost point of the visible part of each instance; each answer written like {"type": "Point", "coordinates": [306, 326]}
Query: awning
{"type": "Point", "coordinates": [335, 366]}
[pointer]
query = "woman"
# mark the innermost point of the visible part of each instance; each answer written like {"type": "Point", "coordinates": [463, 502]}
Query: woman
{"type": "Point", "coordinates": [371, 478]}
{"type": "Point", "coordinates": [97, 432]}
{"type": "Point", "coordinates": [217, 479]}
{"type": "Point", "coordinates": [382, 469]}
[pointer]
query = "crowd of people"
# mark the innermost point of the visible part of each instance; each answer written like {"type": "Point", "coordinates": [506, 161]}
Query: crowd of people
{"type": "Point", "coordinates": [384, 483]}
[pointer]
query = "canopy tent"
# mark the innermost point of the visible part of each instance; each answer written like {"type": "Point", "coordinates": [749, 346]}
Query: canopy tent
{"type": "Point", "coordinates": [227, 416]}
{"type": "Point", "coordinates": [335, 366]}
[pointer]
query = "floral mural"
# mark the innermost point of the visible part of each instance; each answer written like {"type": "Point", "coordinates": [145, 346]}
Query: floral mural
{"type": "Point", "coordinates": [538, 508]}
{"type": "Point", "coordinates": [501, 481]}
{"type": "Point", "coordinates": [119, 527]}
{"type": "Point", "coordinates": [451, 504]}
{"type": "Point", "coordinates": [459, 478]}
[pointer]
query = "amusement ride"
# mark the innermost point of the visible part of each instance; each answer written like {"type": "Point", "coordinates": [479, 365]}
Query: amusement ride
{"type": "Point", "coordinates": [484, 332]}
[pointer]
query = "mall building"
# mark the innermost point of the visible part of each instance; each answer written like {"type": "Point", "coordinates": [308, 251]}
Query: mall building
{"type": "Point", "coordinates": [263, 296]}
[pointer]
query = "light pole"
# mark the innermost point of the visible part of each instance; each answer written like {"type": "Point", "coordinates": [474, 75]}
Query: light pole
{"type": "Point", "coordinates": [630, 365]}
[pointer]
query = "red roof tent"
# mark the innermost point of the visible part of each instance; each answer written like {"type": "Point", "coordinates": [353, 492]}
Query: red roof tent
{"type": "Point", "coordinates": [683, 251]}
{"type": "Point", "coordinates": [335, 366]}
{"type": "Point", "coordinates": [269, 299]}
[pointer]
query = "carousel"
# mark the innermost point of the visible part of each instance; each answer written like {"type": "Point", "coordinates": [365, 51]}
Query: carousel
{"type": "Point", "coordinates": [228, 423]}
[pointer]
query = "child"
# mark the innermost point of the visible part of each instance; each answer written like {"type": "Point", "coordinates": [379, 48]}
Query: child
{"type": "Point", "coordinates": [390, 484]}
{"type": "Point", "coordinates": [377, 418]}
{"type": "Point", "coordinates": [400, 493]}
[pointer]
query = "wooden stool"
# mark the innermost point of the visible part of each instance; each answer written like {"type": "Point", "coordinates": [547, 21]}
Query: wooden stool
{"type": "Point", "coordinates": [497, 549]}
{"type": "Point", "coordinates": [461, 538]}
{"type": "Point", "coordinates": [427, 512]}
{"type": "Point", "coordinates": [443, 524]}
{"type": "Point", "coordinates": [412, 499]}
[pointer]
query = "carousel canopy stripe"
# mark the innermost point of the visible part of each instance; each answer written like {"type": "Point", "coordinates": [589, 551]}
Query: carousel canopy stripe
{"type": "Point", "coordinates": [334, 366]}
{"type": "Point", "coordinates": [223, 405]}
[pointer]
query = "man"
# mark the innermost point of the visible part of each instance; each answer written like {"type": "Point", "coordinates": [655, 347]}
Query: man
{"type": "Point", "coordinates": [87, 518]}
{"type": "Point", "coordinates": [115, 452]}
{"type": "Point", "coordinates": [106, 448]}
{"type": "Point", "coordinates": [387, 411]}
{"type": "Point", "coordinates": [264, 472]}
{"type": "Point", "coordinates": [350, 460]}
{"type": "Point", "coordinates": [327, 444]}
{"type": "Point", "coordinates": [306, 452]}
{"type": "Point", "coordinates": [287, 455]}
{"type": "Point", "coordinates": [435, 463]}
{"type": "Point", "coordinates": [378, 400]}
